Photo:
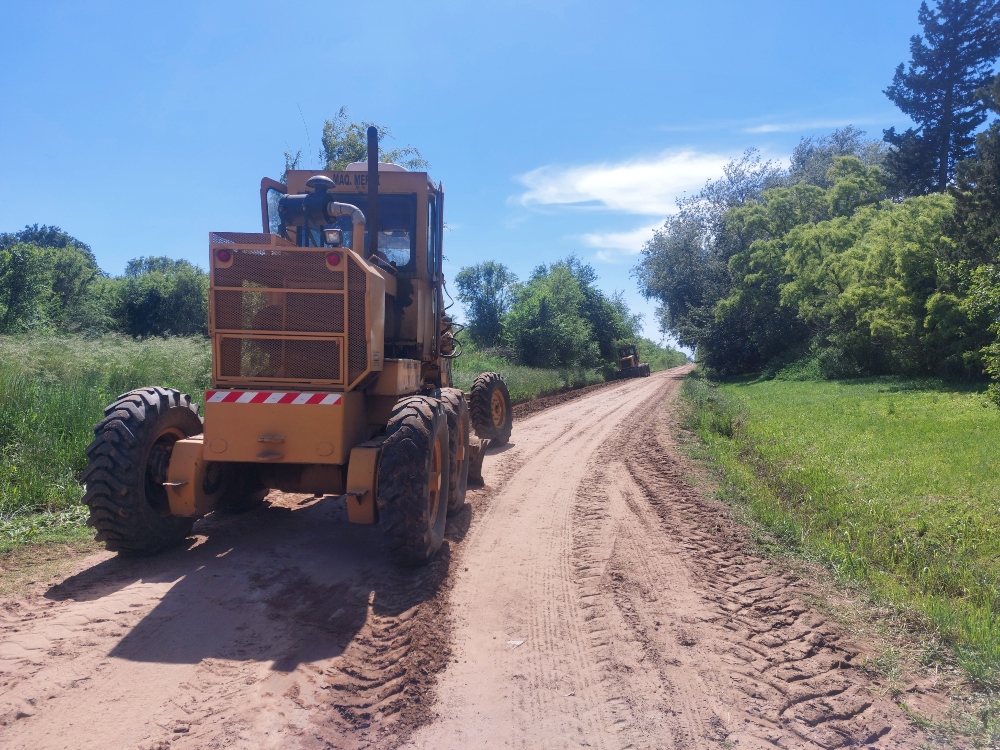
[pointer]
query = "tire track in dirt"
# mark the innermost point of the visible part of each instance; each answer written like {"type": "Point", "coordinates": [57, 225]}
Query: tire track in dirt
{"type": "Point", "coordinates": [605, 603]}
{"type": "Point", "coordinates": [285, 627]}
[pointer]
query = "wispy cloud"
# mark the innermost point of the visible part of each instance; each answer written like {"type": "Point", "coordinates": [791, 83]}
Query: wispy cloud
{"type": "Point", "coordinates": [805, 125]}
{"type": "Point", "coordinates": [612, 246]}
{"type": "Point", "coordinates": [648, 186]}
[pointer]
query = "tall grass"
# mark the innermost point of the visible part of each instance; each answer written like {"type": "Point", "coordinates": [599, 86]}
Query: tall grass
{"type": "Point", "coordinates": [892, 483]}
{"type": "Point", "coordinates": [524, 383]}
{"type": "Point", "coordinates": [52, 391]}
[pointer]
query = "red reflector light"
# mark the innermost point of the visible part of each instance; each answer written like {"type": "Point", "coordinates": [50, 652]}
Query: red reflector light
{"type": "Point", "coordinates": [224, 256]}
{"type": "Point", "coordinates": [333, 258]}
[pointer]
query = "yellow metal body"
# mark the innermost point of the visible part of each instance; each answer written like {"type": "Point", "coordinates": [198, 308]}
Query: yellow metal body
{"type": "Point", "coordinates": [285, 433]}
{"type": "Point", "coordinates": [186, 485]}
{"type": "Point", "coordinates": [398, 377]}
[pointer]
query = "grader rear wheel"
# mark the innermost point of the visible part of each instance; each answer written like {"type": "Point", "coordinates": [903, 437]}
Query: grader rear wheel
{"type": "Point", "coordinates": [414, 479]}
{"type": "Point", "coordinates": [458, 444]}
{"type": "Point", "coordinates": [128, 466]}
{"type": "Point", "coordinates": [490, 408]}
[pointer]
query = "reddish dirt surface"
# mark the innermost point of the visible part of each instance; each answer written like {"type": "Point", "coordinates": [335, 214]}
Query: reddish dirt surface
{"type": "Point", "coordinates": [589, 596]}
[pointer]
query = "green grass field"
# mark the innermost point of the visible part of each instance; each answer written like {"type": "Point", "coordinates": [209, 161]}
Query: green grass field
{"type": "Point", "coordinates": [892, 483]}
{"type": "Point", "coordinates": [52, 391]}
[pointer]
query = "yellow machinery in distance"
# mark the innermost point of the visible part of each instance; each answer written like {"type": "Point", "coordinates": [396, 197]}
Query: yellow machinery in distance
{"type": "Point", "coordinates": [331, 375]}
{"type": "Point", "coordinates": [628, 363]}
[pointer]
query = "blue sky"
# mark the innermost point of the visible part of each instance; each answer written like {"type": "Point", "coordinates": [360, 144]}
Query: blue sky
{"type": "Point", "coordinates": [555, 126]}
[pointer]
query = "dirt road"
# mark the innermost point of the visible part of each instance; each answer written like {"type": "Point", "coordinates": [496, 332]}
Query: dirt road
{"type": "Point", "coordinates": [588, 597]}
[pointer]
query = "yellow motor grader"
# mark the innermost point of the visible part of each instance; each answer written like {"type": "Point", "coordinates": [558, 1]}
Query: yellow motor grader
{"type": "Point", "coordinates": [331, 374]}
{"type": "Point", "coordinates": [629, 365]}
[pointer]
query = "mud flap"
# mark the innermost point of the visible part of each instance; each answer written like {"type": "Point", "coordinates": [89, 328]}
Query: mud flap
{"type": "Point", "coordinates": [477, 451]}
{"type": "Point", "coordinates": [362, 482]}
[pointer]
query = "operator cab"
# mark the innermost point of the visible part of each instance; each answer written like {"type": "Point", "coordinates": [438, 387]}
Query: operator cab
{"type": "Point", "coordinates": [409, 247]}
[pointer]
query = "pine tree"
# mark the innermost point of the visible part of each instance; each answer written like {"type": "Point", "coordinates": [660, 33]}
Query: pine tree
{"type": "Point", "coordinates": [953, 58]}
{"type": "Point", "coordinates": [976, 223]}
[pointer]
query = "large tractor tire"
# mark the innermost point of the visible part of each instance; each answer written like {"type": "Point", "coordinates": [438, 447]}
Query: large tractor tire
{"type": "Point", "coordinates": [490, 408]}
{"type": "Point", "coordinates": [413, 480]}
{"type": "Point", "coordinates": [128, 466]}
{"type": "Point", "coordinates": [457, 411]}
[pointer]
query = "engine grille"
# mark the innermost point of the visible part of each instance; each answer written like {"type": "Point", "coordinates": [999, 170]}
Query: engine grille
{"type": "Point", "coordinates": [279, 359]}
{"type": "Point", "coordinates": [280, 313]}
{"type": "Point", "coordinates": [295, 312]}
{"type": "Point", "coordinates": [267, 268]}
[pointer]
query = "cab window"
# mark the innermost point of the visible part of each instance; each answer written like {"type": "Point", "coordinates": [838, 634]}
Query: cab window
{"type": "Point", "coordinates": [397, 226]}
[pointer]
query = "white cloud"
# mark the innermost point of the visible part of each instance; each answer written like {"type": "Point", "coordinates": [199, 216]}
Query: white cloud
{"type": "Point", "coordinates": [611, 246]}
{"type": "Point", "coordinates": [791, 127]}
{"type": "Point", "coordinates": [642, 186]}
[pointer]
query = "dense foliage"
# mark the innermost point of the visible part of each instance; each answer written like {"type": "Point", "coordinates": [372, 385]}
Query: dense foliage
{"type": "Point", "coordinates": [487, 290]}
{"type": "Point", "coordinates": [862, 258]}
{"type": "Point", "coordinates": [558, 318]}
{"type": "Point", "coordinates": [51, 281]}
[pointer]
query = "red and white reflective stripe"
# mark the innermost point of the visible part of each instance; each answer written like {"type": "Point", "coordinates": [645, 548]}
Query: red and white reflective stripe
{"type": "Point", "coordinates": [271, 397]}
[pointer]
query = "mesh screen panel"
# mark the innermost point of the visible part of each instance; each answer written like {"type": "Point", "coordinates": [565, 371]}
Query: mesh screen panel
{"type": "Point", "coordinates": [279, 269]}
{"type": "Point", "coordinates": [240, 238]}
{"type": "Point", "coordinates": [293, 359]}
{"type": "Point", "coordinates": [295, 312]}
{"type": "Point", "coordinates": [357, 334]}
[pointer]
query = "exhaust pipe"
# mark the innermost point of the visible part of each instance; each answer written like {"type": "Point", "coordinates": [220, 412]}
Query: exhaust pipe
{"type": "Point", "coordinates": [372, 192]}
{"type": "Point", "coordinates": [357, 222]}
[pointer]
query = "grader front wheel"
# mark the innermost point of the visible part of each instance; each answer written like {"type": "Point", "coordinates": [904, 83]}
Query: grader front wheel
{"type": "Point", "coordinates": [127, 467]}
{"type": "Point", "coordinates": [414, 478]}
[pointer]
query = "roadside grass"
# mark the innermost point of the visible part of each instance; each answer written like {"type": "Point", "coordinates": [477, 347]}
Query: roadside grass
{"type": "Point", "coordinates": [524, 383]}
{"type": "Point", "coordinates": [52, 391]}
{"type": "Point", "coordinates": [893, 484]}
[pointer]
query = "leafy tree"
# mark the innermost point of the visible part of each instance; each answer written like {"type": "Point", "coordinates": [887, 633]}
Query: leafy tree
{"type": "Point", "coordinates": [46, 236]}
{"type": "Point", "coordinates": [857, 279]}
{"type": "Point", "coordinates": [344, 142]}
{"type": "Point", "coordinates": [813, 157]}
{"type": "Point", "coordinates": [160, 296]}
{"type": "Point", "coordinates": [22, 279]}
{"type": "Point", "coordinates": [560, 318]}
{"type": "Point", "coordinates": [685, 267]}
{"type": "Point", "coordinates": [609, 316]}
{"type": "Point", "coordinates": [951, 60]}
{"type": "Point", "coordinates": [545, 325]}
{"type": "Point", "coordinates": [659, 357]}
{"type": "Point", "coordinates": [487, 290]}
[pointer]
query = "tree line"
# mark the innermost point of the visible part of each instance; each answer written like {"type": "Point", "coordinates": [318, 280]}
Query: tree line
{"type": "Point", "coordinates": [863, 257]}
{"type": "Point", "coordinates": [557, 318]}
{"type": "Point", "coordinates": [51, 280]}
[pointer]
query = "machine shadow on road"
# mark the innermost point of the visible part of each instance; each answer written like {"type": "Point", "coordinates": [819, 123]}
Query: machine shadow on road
{"type": "Point", "coordinates": [290, 582]}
